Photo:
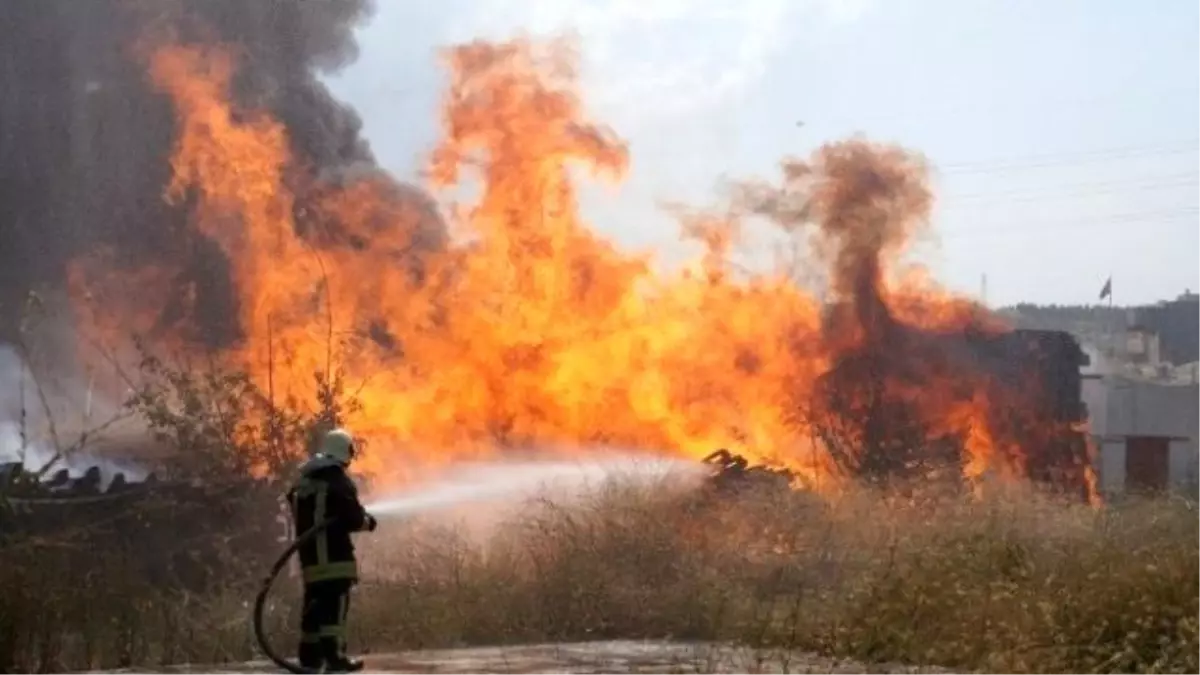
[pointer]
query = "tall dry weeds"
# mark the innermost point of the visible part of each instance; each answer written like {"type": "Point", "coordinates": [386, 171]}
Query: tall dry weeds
{"type": "Point", "coordinates": [1016, 583]}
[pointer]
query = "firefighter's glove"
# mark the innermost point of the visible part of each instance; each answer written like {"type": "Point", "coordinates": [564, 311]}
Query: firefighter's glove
{"type": "Point", "coordinates": [371, 523]}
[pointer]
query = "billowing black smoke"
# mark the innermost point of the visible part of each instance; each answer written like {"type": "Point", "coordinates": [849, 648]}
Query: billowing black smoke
{"type": "Point", "coordinates": [85, 139]}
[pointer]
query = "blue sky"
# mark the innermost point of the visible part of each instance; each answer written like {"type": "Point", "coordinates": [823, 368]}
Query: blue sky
{"type": "Point", "coordinates": [1064, 133]}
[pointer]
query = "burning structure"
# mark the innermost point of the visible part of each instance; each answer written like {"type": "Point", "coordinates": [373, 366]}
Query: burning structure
{"type": "Point", "coordinates": [1044, 365]}
{"type": "Point", "coordinates": [257, 234]}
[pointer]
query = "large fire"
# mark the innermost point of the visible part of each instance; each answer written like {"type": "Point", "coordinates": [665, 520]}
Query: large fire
{"type": "Point", "coordinates": [527, 329]}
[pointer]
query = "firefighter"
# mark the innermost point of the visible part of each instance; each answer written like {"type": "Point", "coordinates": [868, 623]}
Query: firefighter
{"type": "Point", "coordinates": [327, 562]}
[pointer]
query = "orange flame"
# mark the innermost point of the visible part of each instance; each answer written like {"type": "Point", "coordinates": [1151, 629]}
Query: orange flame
{"type": "Point", "coordinates": [528, 328]}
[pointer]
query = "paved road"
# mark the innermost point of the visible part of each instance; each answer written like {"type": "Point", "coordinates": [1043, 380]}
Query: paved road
{"type": "Point", "coordinates": [620, 656]}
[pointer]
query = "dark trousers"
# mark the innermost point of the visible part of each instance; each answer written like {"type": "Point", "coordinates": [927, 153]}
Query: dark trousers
{"type": "Point", "coordinates": [323, 621]}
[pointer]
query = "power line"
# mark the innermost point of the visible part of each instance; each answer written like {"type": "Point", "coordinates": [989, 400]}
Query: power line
{"type": "Point", "coordinates": [1075, 190]}
{"type": "Point", "coordinates": [1015, 104]}
{"type": "Point", "coordinates": [1068, 158]}
{"type": "Point", "coordinates": [1144, 218]}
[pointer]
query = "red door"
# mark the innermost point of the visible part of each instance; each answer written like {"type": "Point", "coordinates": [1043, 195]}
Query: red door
{"type": "Point", "coordinates": [1146, 463]}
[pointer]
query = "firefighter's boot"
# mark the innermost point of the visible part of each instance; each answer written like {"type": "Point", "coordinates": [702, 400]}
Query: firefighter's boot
{"type": "Point", "coordinates": [344, 665]}
{"type": "Point", "coordinates": [335, 659]}
{"type": "Point", "coordinates": [311, 655]}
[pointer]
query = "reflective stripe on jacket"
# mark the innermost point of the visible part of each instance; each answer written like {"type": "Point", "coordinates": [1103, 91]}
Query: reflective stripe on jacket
{"type": "Point", "coordinates": [324, 491]}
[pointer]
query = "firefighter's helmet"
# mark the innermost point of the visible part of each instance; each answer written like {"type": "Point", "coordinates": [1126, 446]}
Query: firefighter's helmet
{"type": "Point", "coordinates": [338, 445]}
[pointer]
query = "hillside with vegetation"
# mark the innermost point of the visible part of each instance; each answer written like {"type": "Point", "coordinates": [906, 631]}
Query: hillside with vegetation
{"type": "Point", "coordinates": [1098, 325]}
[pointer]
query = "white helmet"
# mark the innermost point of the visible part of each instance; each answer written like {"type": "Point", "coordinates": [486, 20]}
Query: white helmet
{"type": "Point", "coordinates": [338, 445]}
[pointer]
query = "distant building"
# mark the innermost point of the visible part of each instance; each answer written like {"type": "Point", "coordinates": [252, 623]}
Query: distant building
{"type": "Point", "coordinates": [1144, 402]}
{"type": "Point", "coordinates": [1167, 332]}
{"type": "Point", "coordinates": [1145, 432]}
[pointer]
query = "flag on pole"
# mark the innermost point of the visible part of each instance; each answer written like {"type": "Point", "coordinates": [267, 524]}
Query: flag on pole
{"type": "Point", "coordinates": [1107, 290]}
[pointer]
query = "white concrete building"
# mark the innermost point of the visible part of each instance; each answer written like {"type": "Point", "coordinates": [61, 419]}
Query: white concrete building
{"type": "Point", "coordinates": [1145, 431]}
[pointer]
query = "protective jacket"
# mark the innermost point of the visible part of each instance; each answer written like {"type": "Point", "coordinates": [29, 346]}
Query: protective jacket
{"type": "Point", "coordinates": [323, 491]}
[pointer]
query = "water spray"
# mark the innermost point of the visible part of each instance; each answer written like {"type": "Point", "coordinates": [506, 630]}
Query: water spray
{"type": "Point", "coordinates": [488, 481]}
{"type": "Point", "coordinates": [471, 483]}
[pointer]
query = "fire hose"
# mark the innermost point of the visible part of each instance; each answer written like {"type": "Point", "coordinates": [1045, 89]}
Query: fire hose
{"type": "Point", "coordinates": [261, 600]}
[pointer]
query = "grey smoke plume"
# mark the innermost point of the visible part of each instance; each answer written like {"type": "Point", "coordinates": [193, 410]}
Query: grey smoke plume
{"type": "Point", "coordinates": [85, 138]}
{"type": "Point", "coordinates": [83, 428]}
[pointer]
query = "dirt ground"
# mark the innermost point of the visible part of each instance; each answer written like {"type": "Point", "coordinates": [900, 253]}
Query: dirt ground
{"type": "Point", "coordinates": [590, 657]}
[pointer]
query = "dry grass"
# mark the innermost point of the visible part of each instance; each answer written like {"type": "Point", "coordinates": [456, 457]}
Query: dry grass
{"type": "Point", "coordinates": [103, 586]}
{"type": "Point", "coordinates": [1012, 583]}
{"type": "Point", "coordinates": [59, 614]}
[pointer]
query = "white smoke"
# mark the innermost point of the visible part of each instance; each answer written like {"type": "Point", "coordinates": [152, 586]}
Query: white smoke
{"type": "Point", "coordinates": [45, 425]}
{"type": "Point", "coordinates": [506, 480]}
{"type": "Point", "coordinates": [473, 499]}
{"type": "Point", "coordinates": [688, 56]}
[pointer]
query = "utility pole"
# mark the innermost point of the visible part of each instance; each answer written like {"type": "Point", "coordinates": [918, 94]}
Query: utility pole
{"type": "Point", "coordinates": [983, 290]}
